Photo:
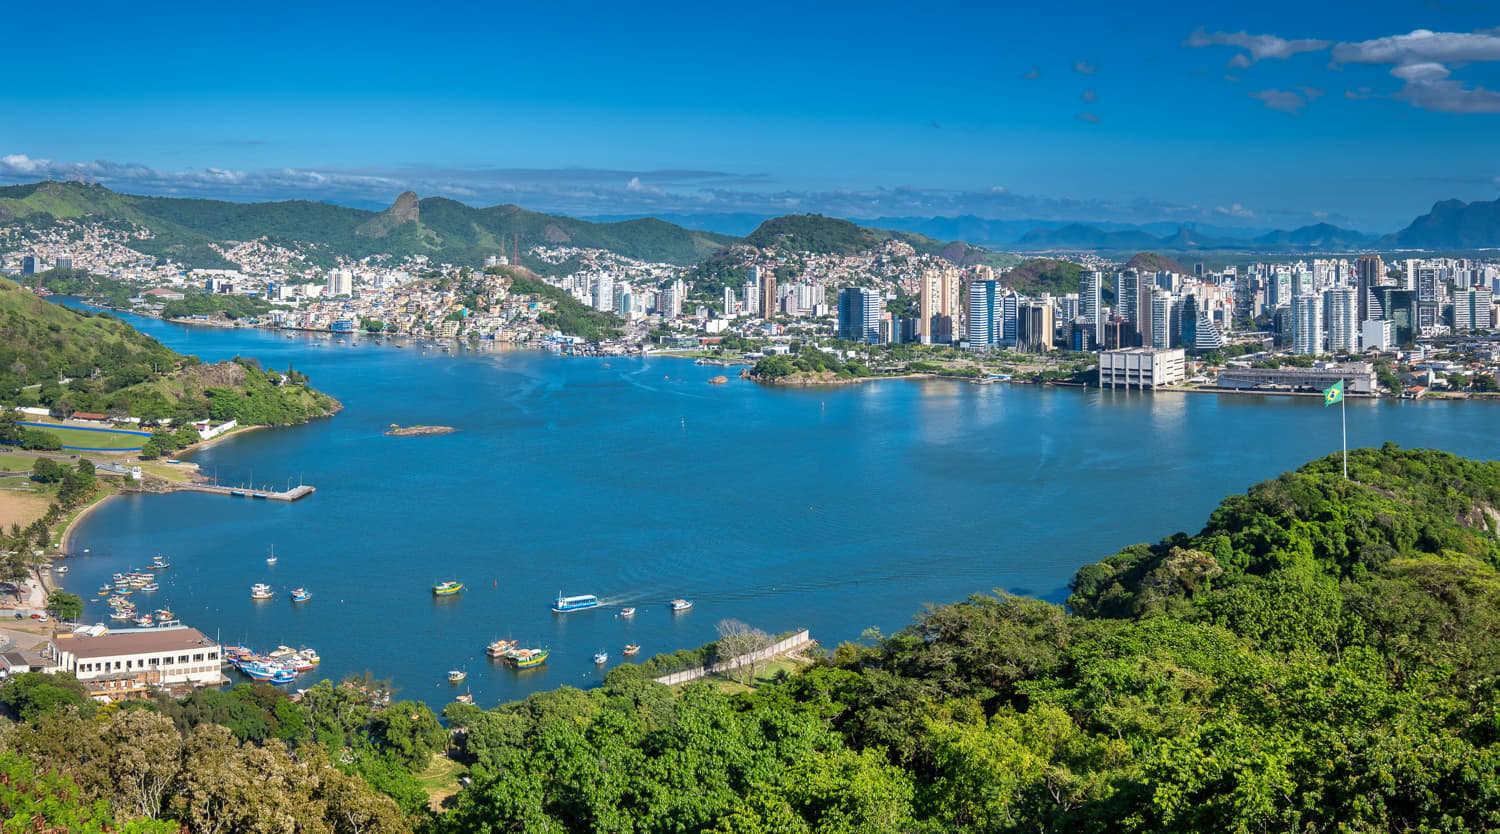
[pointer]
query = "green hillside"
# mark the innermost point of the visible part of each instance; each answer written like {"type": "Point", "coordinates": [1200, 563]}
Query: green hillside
{"type": "Point", "coordinates": [445, 229]}
{"type": "Point", "coordinates": [1321, 656]}
{"type": "Point", "coordinates": [112, 368]}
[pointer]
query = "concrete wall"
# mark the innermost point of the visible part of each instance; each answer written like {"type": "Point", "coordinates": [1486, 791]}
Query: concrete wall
{"type": "Point", "coordinates": [795, 641]}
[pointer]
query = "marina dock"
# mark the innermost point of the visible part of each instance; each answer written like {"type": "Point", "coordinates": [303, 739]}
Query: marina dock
{"type": "Point", "coordinates": [295, 493]}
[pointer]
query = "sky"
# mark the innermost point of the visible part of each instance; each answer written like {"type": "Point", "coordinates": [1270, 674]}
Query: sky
{"type": "Point", "coordinates": [1257, 115]}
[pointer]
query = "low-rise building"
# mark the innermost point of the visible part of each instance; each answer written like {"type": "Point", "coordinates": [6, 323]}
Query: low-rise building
{"type": "Point", "coordinates": [1358, 378]}
{"type": "Point", "coordinates": [134, 662]}
{"type": "Point", "coordinates": [1142, 367]}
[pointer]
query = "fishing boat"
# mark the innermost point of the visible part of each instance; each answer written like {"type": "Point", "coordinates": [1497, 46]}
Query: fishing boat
{"type": "Point", "coordinates": [447, 589]}
{"type": "Point", "coordinates": [164, 614]}
{"type": "Point", "coordinates": [632, 650]}
{"type": "Point", "coordinates": [261, 590]}
{"type": "Point", "coordinates": [565, 604]}
{"type": "Point", "coordinates": [282, 651]}
{"type": "Point", "coordinates": [499, 648]}
{"type": "Point", "coordinates": [466, 698]}
{"type": "Point", "coordinates": [106, 590]}
{"type": "Point", "coordinates": [145, 621]}
{"type": "Point", "coordinates": [627, 612]}
{"type": "Point", "coordinates": [601, 657]}
{"type": "Point", "coordinates": [300, 662]}
{"type": "Point", "coordinates": [266, 671]}
{"type": "Point", "coordinates": [681, 604]}
{"type": "Point", "coordinates": [526, 658]}
{"type": "Point", "coordinates": [121, 614]}
{"type": "Point", "coordinates": [311, 656]}
{"type": "Point", "coordinates": [456, 675]}
{"type": "Point", "coordinates": [158, 563]}
{"type": "Point", "coordinates": [300, 595]}
{"type": "Point", "coordinates": [150, 586]}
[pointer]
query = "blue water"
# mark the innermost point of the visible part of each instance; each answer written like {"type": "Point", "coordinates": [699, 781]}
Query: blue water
{"type": "Point", "coordinates": [835, 509]}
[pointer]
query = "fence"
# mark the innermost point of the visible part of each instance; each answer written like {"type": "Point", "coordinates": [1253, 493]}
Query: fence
{"type": "Point", "coordinates": [795, 641]}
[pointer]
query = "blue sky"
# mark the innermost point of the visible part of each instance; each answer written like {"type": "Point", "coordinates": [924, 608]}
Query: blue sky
{"type": "Point", "coordinates": [1266, 115]}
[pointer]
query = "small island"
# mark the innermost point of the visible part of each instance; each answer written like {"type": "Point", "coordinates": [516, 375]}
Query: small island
{"type": "Point", "coordinates": [413, 431]}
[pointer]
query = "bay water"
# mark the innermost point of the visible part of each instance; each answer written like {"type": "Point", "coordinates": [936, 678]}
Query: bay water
{"type": "Point", "coordinates": [835, 509]}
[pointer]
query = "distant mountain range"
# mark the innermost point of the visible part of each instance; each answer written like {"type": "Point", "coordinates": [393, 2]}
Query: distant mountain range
{"type": "Point", "coordinates": [185, 230]}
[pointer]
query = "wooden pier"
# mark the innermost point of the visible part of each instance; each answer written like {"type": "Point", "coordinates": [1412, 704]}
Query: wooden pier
{"type": "Point", "coordinates": [293, 494]}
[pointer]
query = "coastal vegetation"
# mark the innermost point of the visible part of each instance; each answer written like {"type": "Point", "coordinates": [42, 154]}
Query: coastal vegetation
{"type": "Point", "coordinates": [69, 361]}
{"type": "Point", "coordinates": [567, 314]}
{"type": "Point", "coordinates": [1319, 656]}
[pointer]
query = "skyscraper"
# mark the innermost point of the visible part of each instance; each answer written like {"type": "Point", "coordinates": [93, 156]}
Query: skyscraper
{"type": "Point", "coordinates": [604, 293]}
{"type": "Point", "coordinates": [1307, 324]}
{"type": "Point", "coordinates": [1090, 302]}
{"type": "Point", "coordinates": [859, 315]}
{"type": "Point", "coordinates": [1369, 274]}
{"type": "Point", "coordinates": [767, 294]}
{"type": "Point", "coordinates": [1472, 309]}
{"type": "Point", "coordinates": [986, 318]}
{"type": "Point", "coordinates": [1127, 296]}
{"type": "Point", "coordinates": [1343, 320]}
{"type": "Point", "coordinates": [1034, 327]}
{"type": "Point", "coordinates": [939, 303]}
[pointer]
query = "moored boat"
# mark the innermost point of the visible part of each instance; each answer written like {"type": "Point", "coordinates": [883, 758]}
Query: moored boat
{"type": "Point", "coordinates": [466, 698]}
{"type": "Point", "coordinates": [601, 657]}
{"type": "Point", "coordinates": [627, 612]}
{"type": "Point", "coordinates": [282, 651]}
{"type": "Point", "coordinates": [526, 658]}
{"type": "Point", "coordinates": [499, 648]}
{"type": "Point", "coordinates": [563, 604]}
{"type": "Point", "coordinates": [456, 675]}
{"type": "Point", "coordinates": [446, 589]}
{"type": "Point", "coordinates": [260, 590]}
{"type": "Point", "coordinates": [145, 621]}
{"type": "Point", "coordinates": [300, 595]}
{"type": "Point", "coordinates": [632, 650]}
{"type": "Point", "coordinates": [681, 604]}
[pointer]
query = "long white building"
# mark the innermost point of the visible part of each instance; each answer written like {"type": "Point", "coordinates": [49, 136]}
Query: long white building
{"type": "Point", "coordinates": [122, 664]}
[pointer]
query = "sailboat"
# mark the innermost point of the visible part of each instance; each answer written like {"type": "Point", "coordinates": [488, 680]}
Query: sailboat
{"type": "Point", "coordinates": [271, 559]}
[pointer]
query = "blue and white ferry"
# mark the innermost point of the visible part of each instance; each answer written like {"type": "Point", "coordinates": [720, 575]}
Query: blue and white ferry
{"type": "Point", "coordinates": [565, 604]}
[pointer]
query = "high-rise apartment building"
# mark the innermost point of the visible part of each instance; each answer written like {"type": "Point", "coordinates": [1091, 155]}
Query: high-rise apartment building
{"type": "Point", "coordinates": [768, 297]}
{"type": "Point", "coordinates": [1034, 327]}
{"type": "Point", "coordinates": [859, 315]}
{"type": "Point", "coordinates": [986, 315]}
{"type": "Point", "coordinates": [1307, 324]}
{"type": "Point", "coordinates": [1473, 309]}
{"type": "Point", "coordinates": [1342, 315]}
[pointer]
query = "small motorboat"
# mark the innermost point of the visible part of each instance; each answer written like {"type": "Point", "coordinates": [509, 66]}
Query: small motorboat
{"type": "Point", "coordinates": [632, 650]}
{"type": "Point", "coordinates": [681, 604]}
{"type": "Point", "coordinates": [466, 698]}
{"type": "Point", "coordinates": [601, 658]}
{"type": "Point", "coordinates": [300, 595]}
{"type": "Point", "coordinates": [627, 612]}
{"type": "Point", "coordinates": [456, 675]}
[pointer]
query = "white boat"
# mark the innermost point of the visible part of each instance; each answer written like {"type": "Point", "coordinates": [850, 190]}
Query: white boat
{"type": "Point", "coordinates": [627, 612]}
{"type": "Point", "coordinates": [261, 590]}
{"type": "Point", "coordinates": [456, 675]}
{"type": "Point", "coordinates": [564, 604]}
{"type": "Point", "coordinates": [681, 604]}
{"type": "Point", "coordinates": [271, 559]}
{"type": "Point", "coordinates": [60, 569]}
{"type": "Point", "coordinates": [601, 657]}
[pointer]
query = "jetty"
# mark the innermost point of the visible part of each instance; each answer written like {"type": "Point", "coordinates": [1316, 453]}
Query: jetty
{"type": "Point", "coordinates": [295, 493]}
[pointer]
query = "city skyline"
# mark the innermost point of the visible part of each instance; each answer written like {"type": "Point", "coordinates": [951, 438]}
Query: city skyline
{"type": "Point", "coordinates": [1262, 117]}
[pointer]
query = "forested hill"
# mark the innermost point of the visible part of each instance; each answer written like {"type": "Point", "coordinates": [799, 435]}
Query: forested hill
{"type": "Point", "coordinates": [1321, 656]}
{"type": "Point", "coordinates": [66, 360]}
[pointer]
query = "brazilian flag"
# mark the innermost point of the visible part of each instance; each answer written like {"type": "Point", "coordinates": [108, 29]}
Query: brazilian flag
{"type": "Point", "coordinates": [1335, 394]}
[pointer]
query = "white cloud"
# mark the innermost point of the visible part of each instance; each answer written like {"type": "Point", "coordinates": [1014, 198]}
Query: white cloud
{"type": "Point", "coordinates": [1286, 101]}
{"type": "Point", "coordinates": [1259, 46]}
{"type": "Point", "coordinates": [1421, 46]}
{"type": "Point", "coordinates": [1421, 60]}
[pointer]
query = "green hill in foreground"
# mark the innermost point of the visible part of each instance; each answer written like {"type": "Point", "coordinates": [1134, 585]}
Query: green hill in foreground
{"type": "Point", "coordinates": [111, 368]}
{"type": "Point", "coordinates": [1320, 656]}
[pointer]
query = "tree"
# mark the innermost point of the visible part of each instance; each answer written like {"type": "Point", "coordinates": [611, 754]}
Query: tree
{"type": "Point", "coordinates": [738, 642]}
{"type": "Point", "coordinates": [65, 605]}
{"type": "Point", "coordinates": [33, 694]}
{"type": "Point", "coordinates": [410, 732]}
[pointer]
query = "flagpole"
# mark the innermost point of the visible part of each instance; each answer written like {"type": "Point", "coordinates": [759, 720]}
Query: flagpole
{"type": "Point", "coordinates": [1344, 418]}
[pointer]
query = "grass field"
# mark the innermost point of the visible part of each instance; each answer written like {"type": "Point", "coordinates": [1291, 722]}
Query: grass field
{"type": "Point", "coordinates": [440, 779]}
{"type": "Point", "coordinates": [16, 462]}
{"type": "Point", "coordinates": [95, 439]}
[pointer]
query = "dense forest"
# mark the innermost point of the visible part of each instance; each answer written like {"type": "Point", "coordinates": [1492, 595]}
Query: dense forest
{"type": "Point", "coordinates": [1320, 656]}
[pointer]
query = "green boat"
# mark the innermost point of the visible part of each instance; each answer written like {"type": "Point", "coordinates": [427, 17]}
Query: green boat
{"type": "Point", "coordinates": [526, 658]}
{"type": "Point", "coordinates": [444, 589]}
